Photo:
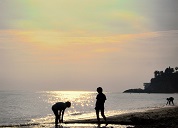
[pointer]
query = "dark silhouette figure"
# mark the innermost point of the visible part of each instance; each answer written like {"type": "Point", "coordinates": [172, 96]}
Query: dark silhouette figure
{"type": "Point", "coordinates": [59, 109]}
{"type": "Point", "coordinates": [100, 100]}
{"type": "Point", "coordinates": [167, 101]}
{"type": "Point", "coordinates": [170, 100]}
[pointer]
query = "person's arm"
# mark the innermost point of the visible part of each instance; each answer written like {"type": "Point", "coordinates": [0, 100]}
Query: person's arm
{"type": "Point", "coordinates": [62, 115]}
{"type": "Point", "coordinates": [104, 98]}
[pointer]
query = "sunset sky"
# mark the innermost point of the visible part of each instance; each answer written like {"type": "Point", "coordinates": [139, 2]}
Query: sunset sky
{"type": "Point", "coordinates": [83, 44]}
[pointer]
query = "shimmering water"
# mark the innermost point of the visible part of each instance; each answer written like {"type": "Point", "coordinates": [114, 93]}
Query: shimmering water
{"type": "Point", "coordinates": [27, 107]}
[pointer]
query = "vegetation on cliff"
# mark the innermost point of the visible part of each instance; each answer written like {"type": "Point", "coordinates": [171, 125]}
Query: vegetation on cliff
{"type": "Point", "coordinates": [163, 82]}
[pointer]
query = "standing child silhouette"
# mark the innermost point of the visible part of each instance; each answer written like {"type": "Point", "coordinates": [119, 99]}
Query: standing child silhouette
{"type": "Point", "coordinates": [100, 100]}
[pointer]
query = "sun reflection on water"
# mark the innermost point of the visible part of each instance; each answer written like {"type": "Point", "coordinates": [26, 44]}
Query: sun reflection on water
{"type": "Point", "coordinates": [81, 101]}
{"type": "Point", "coordinates": [77, 96]}
{"type": "Point", "coordinates": [83, 104]}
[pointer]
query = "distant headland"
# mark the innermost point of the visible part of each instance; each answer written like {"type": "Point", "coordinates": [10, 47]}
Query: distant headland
{"type": "Point", "coordinates": [163, 82]}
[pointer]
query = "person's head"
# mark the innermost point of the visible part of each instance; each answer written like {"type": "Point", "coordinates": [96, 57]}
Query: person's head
{"type": "Point", "coordinates": [68, 104]}
{"type": "Point", "coordinates": [99, 90]}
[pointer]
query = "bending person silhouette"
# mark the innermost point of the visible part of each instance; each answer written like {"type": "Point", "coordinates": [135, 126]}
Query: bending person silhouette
{"type": "Point", "coordinates": [59, 109]}
{"type": "Point", "coordinates": [100, 100]}
{"type": "Point", "coordinates": [170, 100]}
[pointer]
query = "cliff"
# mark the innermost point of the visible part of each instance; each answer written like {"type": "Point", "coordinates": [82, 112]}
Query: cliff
{"type": "Point", "coordinates": [163, 82]}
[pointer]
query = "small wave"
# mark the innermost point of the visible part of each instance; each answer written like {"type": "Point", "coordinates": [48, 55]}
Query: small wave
{"type": "Point", "coordinates": [18, 125]}
{"type": "Point", "coordinates": [77, 113]}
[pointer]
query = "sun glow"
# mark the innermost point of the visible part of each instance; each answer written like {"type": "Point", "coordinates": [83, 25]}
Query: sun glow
{"type": "Point", "coordinates": [58, 46]}
{"type": "Point", "coordinates": [68, 38]}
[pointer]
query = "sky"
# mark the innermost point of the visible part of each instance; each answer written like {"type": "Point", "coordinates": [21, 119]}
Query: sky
{"type": "Point", "coordinates": [83, 44]}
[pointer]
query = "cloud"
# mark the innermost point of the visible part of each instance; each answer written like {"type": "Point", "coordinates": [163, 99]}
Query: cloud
{"type": "Point", "coordinates": [116, 17]}
{"type": "Point", "coordinates": [96, 16]}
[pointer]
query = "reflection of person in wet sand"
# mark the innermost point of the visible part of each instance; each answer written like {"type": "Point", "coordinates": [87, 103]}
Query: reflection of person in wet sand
{"type": "Point", "coordinates": [59, 109]}
{"type": "Point", "coordinates": [100, 100]}
{"type": "Point", "coordinates": [170, 100]}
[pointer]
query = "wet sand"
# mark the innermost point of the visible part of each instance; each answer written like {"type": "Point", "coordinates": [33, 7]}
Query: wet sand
{"type": "Point", "coordinates": [166, 117]}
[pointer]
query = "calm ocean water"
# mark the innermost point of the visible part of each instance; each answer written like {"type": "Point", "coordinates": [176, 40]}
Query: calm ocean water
{"type": "Point", "coordinates": [27, 107]}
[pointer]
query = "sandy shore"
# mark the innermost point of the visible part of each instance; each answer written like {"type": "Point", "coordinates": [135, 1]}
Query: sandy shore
{"type": "Point", "coordinates": [166, 117]}
{"type": "Point", "coordinates": [158, 118]}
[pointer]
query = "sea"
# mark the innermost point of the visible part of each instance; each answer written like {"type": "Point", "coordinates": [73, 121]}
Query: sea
{"type": "Point", "coordinates": [27, 108]}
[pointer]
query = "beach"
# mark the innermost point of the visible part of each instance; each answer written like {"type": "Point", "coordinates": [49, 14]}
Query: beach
{"type": "Point", "coordinates": [122, 110]}
{"type": "Point", "coordinates": [166, 117]}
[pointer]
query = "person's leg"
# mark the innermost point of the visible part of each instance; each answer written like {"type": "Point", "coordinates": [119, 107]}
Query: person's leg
{"type": "Point", "coordinates": [97, 116]}
{"type": "Point", "coordinates": [172, 102]}
{"type": "Point", "coordinates": [104, 117]}
{"type": "Point", "coordinates": [56, 116]}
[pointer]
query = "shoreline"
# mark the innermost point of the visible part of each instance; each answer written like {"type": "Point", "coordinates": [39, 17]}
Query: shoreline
{"type": "Point", "coordinates": [155, 118]}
